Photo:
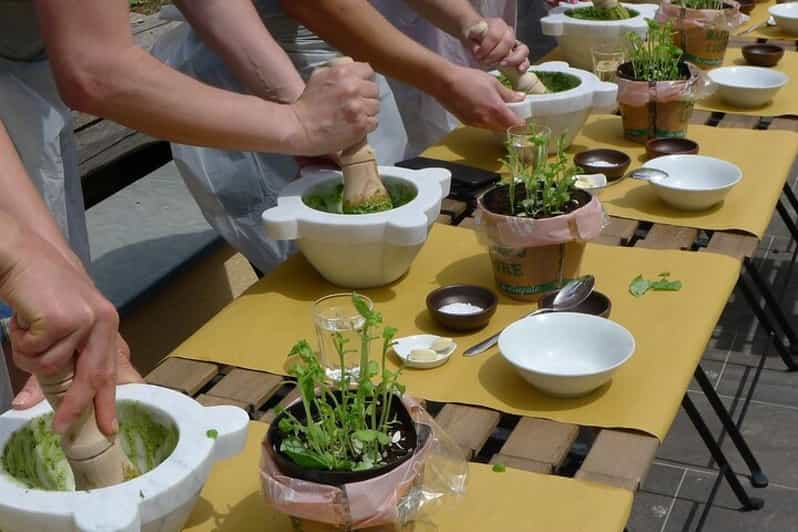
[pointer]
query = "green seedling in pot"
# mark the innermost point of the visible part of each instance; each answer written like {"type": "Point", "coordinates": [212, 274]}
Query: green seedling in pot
{"type": "Point", "coordinates": [640, 286]}
{"type": "Point", "coordinates": [347, 426]}
{"type": "Point", "coordinates": [656, 58]}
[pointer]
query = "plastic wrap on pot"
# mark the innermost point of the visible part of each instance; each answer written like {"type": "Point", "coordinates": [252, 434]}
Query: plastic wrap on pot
{"type": "Point", "coordinates": [640, 93]}
{"type": "Point", "coordinates": [500, 230]}
{"type": "Point", "coordinates": [702, 34]}
{"type": "Point", "coordinates": [436, 472]}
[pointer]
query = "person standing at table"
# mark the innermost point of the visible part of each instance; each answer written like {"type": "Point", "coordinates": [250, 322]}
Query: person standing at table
{"type": "Point", "coordinates": [223, 181]}
{"type": "Point", "coordinates": [54, 57]}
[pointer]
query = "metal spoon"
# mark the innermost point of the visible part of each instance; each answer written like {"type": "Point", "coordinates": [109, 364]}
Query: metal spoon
{"type": "Point", "coordinates": [769, 22]}
{"type": "Point", "coordinates": [569, 296]}
{"type": "Point", "coordinates": [647, 174]}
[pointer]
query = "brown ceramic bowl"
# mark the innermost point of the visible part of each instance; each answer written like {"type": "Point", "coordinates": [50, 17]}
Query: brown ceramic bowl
{"type": "Point", "coordinates": [670, 146]}
{"type": "Point", "coordinates": [764, 55]}
{"type": "Point", "coordinates": [746, 6]}
{"type": "Point", "coordinates": [611, 163]}
{"type": "Point", "coordinates": [462, 293]}
{"type": "Point", "coordinates": [596, 303]}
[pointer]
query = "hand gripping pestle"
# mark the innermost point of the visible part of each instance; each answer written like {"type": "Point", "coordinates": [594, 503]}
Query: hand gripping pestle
{"type": "Point", "coordinates": [363, 188]}
{"type": "Point", "coordinates": [96, 460]}
{"type": "Point", "coordinates": [527, 82]}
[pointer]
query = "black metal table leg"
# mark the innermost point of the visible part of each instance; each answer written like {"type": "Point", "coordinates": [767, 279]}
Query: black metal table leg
{"type": "Point", "coordinates": [748, 502]}
{"type": "Point", "coordinates": [791, 197]}
{"type": "Point", "coordinates": [770, 301]}
{"type": "Point", "coordinates": [788, 221]}
{"type": "Point", "coordinates": [758, 477]}
{"type": "Point", "coordinates": [764, 320]}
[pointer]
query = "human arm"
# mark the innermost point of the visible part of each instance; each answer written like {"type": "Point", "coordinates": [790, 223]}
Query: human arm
{"type": "Point", "coordinates": [357, 29]}
{"type": "Point", "coordinates": [233, 29]}
{"type": "Point", "coordinates": [100, 70]}
{"type": "Point", "coordinates": [59, 319]}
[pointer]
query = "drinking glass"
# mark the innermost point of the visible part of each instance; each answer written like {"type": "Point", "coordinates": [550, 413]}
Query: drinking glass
{"type": "Point", "coordinates": [336, 314]}
{"type": "Point", "coordinates": [606, 60]}
{"type": "Point", "coordinates": [525, 141]}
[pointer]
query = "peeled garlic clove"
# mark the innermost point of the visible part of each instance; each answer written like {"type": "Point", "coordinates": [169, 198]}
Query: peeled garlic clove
{"type": "Point", "coordinates": [423, 355]}
{"type": "Point", "coordinates": [441, 345]}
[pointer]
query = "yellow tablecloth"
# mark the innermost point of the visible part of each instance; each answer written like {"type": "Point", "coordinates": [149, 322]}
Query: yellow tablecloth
{"type": "Point", "coordinates": [765, 158]}
{"type": "Point", "coordinates": [671, 329]}
{"type": "Point", "coordinates": [784, 103]}
{"type": "Point", "coordinates": [758, 16]}
{"type": "Point", "coordinates": [514, 500]}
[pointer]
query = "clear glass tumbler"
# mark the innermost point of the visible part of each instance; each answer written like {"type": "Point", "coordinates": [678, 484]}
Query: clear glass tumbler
{"type": "Point", "coordinates": [606, 60]}
{"type": "Point", "coordinates": [336, 314]}
{"type": "Point", "coordinates": [527, 140]}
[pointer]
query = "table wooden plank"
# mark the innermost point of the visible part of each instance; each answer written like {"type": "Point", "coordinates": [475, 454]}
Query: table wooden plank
{"type": "Point", "coordinates": [290, 397]}
{"type": "Point", "coordinates": [455, 207]}
{"type": "Point", "coordinates": [621, 228]}
{"type": "Point", "coordinates": [735, 245]}
{"type": "Point", "coordinates": [541, 441]}
{"type": "Point", "coordinates": [520, 463]}
{"type": "Point", "coordinates": [211, 400]}
{"type": "Point", "coordinates": [251, 388]}
{"type": "Point", "coordinates": [469, 426]}
{"type": "Point", "coordinates": [619, 458]}
{"type": "Point", "coordinates": [662, 236]}
{"type": "Point", "coordinates": [187, 376]}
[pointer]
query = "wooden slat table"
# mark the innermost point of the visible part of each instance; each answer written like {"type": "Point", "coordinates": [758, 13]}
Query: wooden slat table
{"type": "Point", "coordinates": [487, 436]}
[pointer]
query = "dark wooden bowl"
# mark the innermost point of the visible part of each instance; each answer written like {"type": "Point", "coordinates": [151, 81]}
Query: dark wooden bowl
{"type": "Point", "coordinates": [670, 146]}
{"type": "Point", "coordinates": [611, 163]}
{"type": "Point", "coordinates": [764, 55]}
{"type": "Point", "coordinates": [596, 303]}
{"type": "Point", "coordinates": [462, 293]}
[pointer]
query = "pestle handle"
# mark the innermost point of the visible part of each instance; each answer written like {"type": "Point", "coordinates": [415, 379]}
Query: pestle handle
{"type": "Point", "coordinates": [527, 82]}
{"type": "Point", "coordinates": [359, 164]}
{"type": "Point", "coordinates": [96, 460]}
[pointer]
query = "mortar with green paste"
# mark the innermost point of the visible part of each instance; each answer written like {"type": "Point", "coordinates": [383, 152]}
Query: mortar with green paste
{"type": "Point", "coordinates": [170, 439]}
{"type": "Point", "coordinates": [358, 249]}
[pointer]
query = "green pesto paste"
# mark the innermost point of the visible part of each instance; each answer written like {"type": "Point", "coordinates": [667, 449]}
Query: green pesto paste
{"type": "Point", "coordinates": [328, 197]}
{"type": "Point", "coordinates": [34, 458]}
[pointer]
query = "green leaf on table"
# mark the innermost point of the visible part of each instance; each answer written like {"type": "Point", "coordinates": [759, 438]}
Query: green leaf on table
{"type": "Point", "coordinates": [667, 285]}
{"type": "Point", "coordinates": [639, 286]}
{"type": "Point", "coordinates": [499, 468]}
{"type": "Point", "coordinates": [665, 274]}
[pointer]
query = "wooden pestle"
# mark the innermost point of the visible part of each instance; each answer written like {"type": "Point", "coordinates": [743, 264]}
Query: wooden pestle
{"type": "Point", "coordinates": [527, 82]}
{"type": "Point", "coordinates": [362, 182]}
{"type": "Point", "coordinates": [96, 460]}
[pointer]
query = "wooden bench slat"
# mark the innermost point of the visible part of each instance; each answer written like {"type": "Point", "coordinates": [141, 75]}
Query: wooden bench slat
{"type": "Point", "coordinates": [211, 400]}
{"type": "Point", "coordinates": [289, 398]}
{"type": "Point", "coordinates": [520, 463]}
{"type": "Point", "coordinates": [251, 388]}
{"type": "Point", "coordinates": [663, 236]}
{"type": "Point", "coordinates": [469, 426]}
{"type": "Point", "coordinates": [621, 228]}
{"type": "Point", "coordinates": [457, 208]}
{"type": "Point", "coordinates": [732, 244]}
{"type": "Point", "coordinates": [790, 124]}
{"type": "Point", "coordinates": [619, 458]}
{"type": "Point", "coordinates": [181, 374]}
{"type": "Point", "coordinates": [742, 121]}
{"type": "Point", "coordinates": [541, 440]}
{"type": "Point", "coordinates": [468, 223]}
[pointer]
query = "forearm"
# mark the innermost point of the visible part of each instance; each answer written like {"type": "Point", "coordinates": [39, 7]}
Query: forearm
{"type": "Point", "coordinates": [10, 242]}
{"type": "Point", "coordinates": [254, 57]}
{"type": "Point", "coordinates": [22, 202]}
{"type": "Point", "coordinates": [358, 30]}
{"type": "Point", "coordinates": [100, 70]}
{"type": "Point", "coordinates": [454, 17]}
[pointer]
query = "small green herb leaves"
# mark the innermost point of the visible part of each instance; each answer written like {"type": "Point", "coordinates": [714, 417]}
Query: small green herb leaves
{"type": "Point", "coordinates": [212, 434]}
{"type": "Point", "coordinates": [499, 468]}
{"type": "Point", "coordinates": [640, 286]}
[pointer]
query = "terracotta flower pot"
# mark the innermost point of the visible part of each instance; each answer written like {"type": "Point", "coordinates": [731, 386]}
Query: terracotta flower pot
{"type": "Point", "coordinates": [533, 257]}
{"type": "Point", "coordinates": [655, 109]}
{"type": "Point", "coordinates": [703, 34]}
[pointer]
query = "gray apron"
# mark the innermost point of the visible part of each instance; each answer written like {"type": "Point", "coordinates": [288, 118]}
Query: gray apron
{"type": "Point", "coordinates": [234, 188]}
{"type": "Point", "coordinates": [40, 125]}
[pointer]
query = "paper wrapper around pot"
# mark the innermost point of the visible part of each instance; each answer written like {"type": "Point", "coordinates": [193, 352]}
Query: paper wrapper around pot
{"type": "Point", "coordinates": [436, 473]}
{"type": "Point", "coordinates": [532, 258]}
{"type": "Point", "coordinates": [653, 109]}
{"type": "Point", "coordinates": [703, 34]}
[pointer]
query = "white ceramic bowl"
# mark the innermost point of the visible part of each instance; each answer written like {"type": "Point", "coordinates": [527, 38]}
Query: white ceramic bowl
{"type": "Point", "coordinates": [566, 354]}
{"type": "Point", "coordinates": [577, 37]}
{"type": "Point", "coordinates": [158, 501]}
{"type": "Point", "coordinates": [786, 16]}
{"type": "Point", "coordinates": [694, 182]}
{"type": "Point", "coordinates": [747, 86]}
{"type": "Point", "coordinates": [359, 250]}
{"type": "Point", "coordinates": [565, 111]}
